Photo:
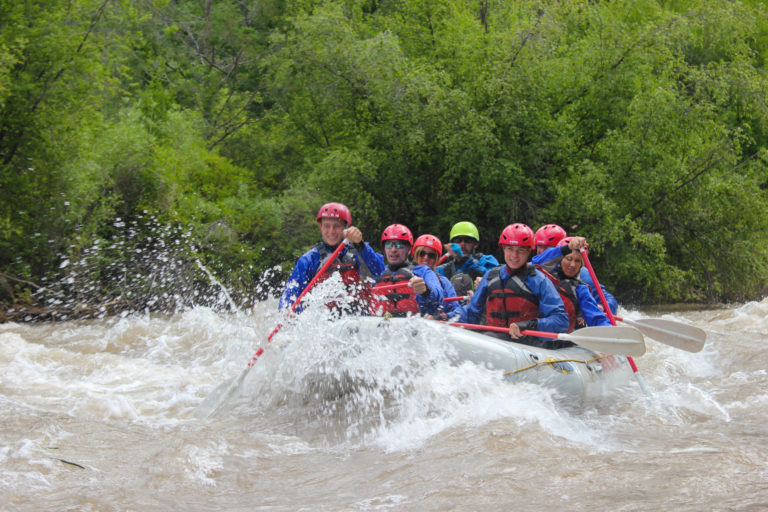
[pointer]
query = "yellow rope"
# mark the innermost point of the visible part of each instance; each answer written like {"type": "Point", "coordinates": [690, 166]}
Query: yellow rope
{"type": "Point", "coordinates": [552, 362]}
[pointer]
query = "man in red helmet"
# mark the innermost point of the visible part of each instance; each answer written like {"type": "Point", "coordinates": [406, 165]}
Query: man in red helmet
{"type": "Point", "coordinates": [421, 291]}
{"type": "Point", "coordinates": [335, 223]}
{"type": "Point", "coordinates": [517, 295]}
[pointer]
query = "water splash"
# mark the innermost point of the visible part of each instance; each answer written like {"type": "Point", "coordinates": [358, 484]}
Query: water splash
{"type": "Point", "coordinates": [711, 400]}
{"type": "Point", "coordinates": [142, 266]}
{"type": "Point", "coordinates": [334, 385]}
{"type": "Point", "coordinates": [224, 292]}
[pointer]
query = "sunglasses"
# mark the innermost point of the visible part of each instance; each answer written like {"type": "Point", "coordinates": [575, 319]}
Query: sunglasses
{"type": "Point", "coordinates": [463, 240]}
{"type": "Point", "coordinates": [428, 255]}
{"type": "Point", "coordinates": [395, 244]}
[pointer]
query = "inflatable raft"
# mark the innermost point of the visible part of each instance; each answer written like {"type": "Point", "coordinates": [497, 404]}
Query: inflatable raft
{"type": "Point", "coordinates": [574, 373]}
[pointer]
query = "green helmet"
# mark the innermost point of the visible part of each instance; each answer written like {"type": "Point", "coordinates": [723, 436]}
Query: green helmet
{"type": "Point", "coordinates": [464, 228]}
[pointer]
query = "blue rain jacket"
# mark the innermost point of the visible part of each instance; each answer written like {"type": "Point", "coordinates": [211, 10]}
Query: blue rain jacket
{"type": "Point", "coordinates": [593, 315]}
{"type": "Point", "coordinates": [552, 315]}
{"type": "Point", "coordinates": [309, 263]}
{"type": "Point", "coordinates": [448, 291]}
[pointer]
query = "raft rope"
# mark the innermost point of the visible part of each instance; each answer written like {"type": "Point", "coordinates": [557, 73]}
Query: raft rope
{"type": "Point", "coordinates": [552, 362]}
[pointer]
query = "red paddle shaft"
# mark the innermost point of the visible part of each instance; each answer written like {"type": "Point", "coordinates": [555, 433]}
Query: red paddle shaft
{"type": "Point", "coordinates": [478, 327]}
{"type": "Point", "coordinates": [296, 303]}
{"type": "Point", "coordinates": [608, 313]}
{"type": "Point", "coordinates": [388, 287]}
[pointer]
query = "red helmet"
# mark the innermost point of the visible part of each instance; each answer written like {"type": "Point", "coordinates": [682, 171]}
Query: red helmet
{"type": "Point", "coordinates": [549, 234]}
{"type": "Point", "coordinates": [565, 241]}
{"type": "Point", "coordinates": [517, 234]}
{"type": "Point", "coordinates": [397, 232]}
{"type": "Point", "coordinates": [430, 241]}
{"type": "Point", "coordinates": [334, 211]}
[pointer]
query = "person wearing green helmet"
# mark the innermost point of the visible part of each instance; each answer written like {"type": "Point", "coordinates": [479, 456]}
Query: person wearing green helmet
{"type": "Point", "coordinates": [464, 265]}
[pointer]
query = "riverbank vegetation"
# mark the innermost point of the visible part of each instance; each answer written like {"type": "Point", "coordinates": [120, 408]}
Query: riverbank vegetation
{"type": "Point", "coordinates": [197, 139]}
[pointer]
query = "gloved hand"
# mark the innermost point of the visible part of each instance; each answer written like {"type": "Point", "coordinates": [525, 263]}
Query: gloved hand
{"type": "Point", "coordinates": [454, 250]}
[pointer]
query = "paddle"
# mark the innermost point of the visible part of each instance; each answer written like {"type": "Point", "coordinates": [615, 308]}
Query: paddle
{"type": "Point", "coordinates": [388, 287]}
{"type": "Point", "coordinates": [454, 299]}
{"type": "Point", "coordinates": [625, 341]}
{"type": "Point", "coordinates": [225, 389]}
{"type": "Point", "coordinates": [610, 316]}
{"type": "Point", "coordinates": [675, 334]}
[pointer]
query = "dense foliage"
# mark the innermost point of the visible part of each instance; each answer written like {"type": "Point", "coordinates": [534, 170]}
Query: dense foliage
{"type": "Point", "coordinates": [640, 124]}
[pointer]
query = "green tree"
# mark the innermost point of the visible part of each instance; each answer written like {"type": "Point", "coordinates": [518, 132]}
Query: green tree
{"type": "Point", "coordinates": [51, 99]}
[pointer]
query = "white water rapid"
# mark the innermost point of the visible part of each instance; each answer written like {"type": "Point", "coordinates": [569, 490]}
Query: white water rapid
{"type": "Point", "coordinates": [103, 414]}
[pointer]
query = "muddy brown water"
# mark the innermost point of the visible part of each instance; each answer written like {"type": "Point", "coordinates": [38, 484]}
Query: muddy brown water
{"type": "Point", "coordinates": [104, 415]}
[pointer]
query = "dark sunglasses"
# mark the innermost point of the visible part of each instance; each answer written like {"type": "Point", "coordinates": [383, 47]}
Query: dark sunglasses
{"type": "Point", "coordinates": [429, 255]}
{"type": "Point", "coordinates": [395, 244]}
{"type": "Point", "coordinates": [463, 240]}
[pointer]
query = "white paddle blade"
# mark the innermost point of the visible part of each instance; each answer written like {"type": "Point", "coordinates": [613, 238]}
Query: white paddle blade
{"type": "Point", "coordinates": [221, 394]}
{"type": "Point", "coordinates": [624, 341]}
{"type": "Point", "coordinates": [676, 334]}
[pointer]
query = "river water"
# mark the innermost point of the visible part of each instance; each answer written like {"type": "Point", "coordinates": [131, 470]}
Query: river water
{"type": "Point", "coordinates": [106, 415]}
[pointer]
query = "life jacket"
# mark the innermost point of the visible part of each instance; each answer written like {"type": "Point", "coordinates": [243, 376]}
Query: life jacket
{"type": "Point", "coordinates": [402, 300]}
{"type": "Point", "coordinates": [566, 288]}
{"type": "Point", "coordinates": [510, 301]}
{"type": "Point", "coordinates": [346, 266]}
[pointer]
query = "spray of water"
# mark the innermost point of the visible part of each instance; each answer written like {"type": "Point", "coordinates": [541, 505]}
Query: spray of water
{"type": "Point", "coordinates": [330, 383]}
{"type": "Point", "coordinates": [143, 266]}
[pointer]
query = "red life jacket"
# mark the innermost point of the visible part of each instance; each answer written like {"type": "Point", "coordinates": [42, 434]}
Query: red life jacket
{"type": "Point", "coordinates": [567, 289]}
{"type": "Point", "coordinates": [402, 300]}
{"type": "Point", "coordinates": [510, 301]}
{"type": "Point", "coordinates": [346, 266]}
